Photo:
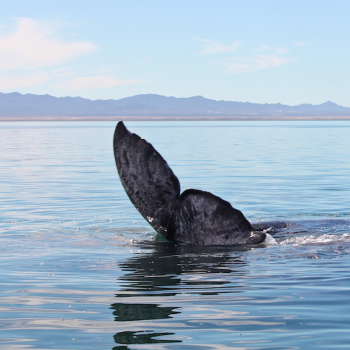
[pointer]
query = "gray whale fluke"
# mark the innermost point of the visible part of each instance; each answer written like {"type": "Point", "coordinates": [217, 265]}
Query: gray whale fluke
{"type": "Point", "coordinates": [194, 217]}
{"type": "Point", "coordinates": [146, 177]}
{"type": "Point", "coordinates": [201, 218]}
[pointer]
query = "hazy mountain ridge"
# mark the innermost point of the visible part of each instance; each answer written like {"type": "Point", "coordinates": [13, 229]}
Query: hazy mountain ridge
{"type": "Point", "coordinates": [29, 105]}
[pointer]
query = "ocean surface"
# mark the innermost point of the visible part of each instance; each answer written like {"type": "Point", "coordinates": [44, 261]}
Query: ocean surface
{"type": "Point", "coordinates": [81, 269]}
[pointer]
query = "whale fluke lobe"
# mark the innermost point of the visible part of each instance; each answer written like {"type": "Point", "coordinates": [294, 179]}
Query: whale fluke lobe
{"type": "Point", "coordinates": [196, 217]}
{"type": "Point", "coordinates": [200, 217]}
{"type": "Point", "coordinates": [147, 178]}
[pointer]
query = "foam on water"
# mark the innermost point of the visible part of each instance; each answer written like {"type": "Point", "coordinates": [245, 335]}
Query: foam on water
{"type": "Point", "coordinates": [321, 239]}
{"type": "Point", "coordinates": [270, 240]}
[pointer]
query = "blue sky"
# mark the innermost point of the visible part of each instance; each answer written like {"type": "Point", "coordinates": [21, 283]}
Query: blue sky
{"type": "Point", "coordinates": [263, 51]}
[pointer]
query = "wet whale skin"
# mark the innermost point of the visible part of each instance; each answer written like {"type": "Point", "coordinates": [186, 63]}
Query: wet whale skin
{"type": "Point", "coordinates": [195, 217]}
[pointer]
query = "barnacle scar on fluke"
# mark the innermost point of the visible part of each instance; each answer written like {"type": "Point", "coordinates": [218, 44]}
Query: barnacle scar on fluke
{"type": "Point", "coordinates": [194, 216]}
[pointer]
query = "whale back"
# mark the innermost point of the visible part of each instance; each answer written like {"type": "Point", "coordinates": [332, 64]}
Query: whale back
{"type": "Point", "coordinates": [201, 218]}
{"type": "Point", "coordinates": [146, 177]}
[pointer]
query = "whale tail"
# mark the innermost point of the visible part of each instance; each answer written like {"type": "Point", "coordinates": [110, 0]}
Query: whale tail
{"type": "Point", "coordinates": [146, 177]}
{"type": "Point", "coordinates": [201, 218]}
{"type": "Point", "coordinates": [196, 217]}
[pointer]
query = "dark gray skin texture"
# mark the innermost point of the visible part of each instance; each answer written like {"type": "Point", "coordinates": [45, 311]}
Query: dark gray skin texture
{"type": "Point", "coordinates": [201, 218]}
{"type": "Point", "coordinates": [146, 177]}
{"type": "Point", "coordinates": [196, 217]}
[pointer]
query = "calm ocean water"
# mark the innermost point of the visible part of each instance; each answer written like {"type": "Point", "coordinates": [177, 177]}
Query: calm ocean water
{"type": "Point", "coordinates": [81, 269]}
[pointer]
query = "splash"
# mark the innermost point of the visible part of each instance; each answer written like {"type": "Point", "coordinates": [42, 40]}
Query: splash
{"type": "Point", "coordinates": [269, 240]}
{"type": "Point", "coordinates": [312, 239]}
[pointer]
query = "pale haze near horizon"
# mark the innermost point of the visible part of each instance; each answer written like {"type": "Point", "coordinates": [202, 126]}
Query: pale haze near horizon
{"type": "Point", "coordinates": [290, 52]}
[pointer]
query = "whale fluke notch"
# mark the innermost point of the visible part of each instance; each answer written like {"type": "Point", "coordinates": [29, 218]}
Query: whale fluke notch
{"type": "Point", "coordinates": [147, 178]}
{"type": "Point", "coordinates": [196, 217]}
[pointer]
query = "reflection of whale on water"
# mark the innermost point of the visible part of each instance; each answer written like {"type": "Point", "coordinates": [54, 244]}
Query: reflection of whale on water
{"type": "Point", "coordinates": [195, 217]}
{"type": "Point", "coordinates": [166, 272]}
{"type": "Point", "coordinates": [163, 270]}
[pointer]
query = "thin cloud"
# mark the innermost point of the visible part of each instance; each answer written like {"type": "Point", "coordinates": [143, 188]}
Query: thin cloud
{"type": "Point", "coordinates": [275, 50]}
{"type": "Point", "coordinates": [302, 44]}
{"type": "Point", "coordinates": [13, 81]}
{"type": "Point", "coordinates": [32, 45]}
{"type": "Point", "coordinates": [95, 82]}
{"type": "Point", "coordinates": [33, 54]}
{"type": "Point", "coordinates": [263, 58]}
{"type": "Point", "coordinates": [211, 46]}
{"type": "Point", "coordinates": [140, 63]}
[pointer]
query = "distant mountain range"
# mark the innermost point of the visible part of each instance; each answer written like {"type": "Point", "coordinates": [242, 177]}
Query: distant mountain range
{"type": "Point", "coordinates": [18, 105]}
